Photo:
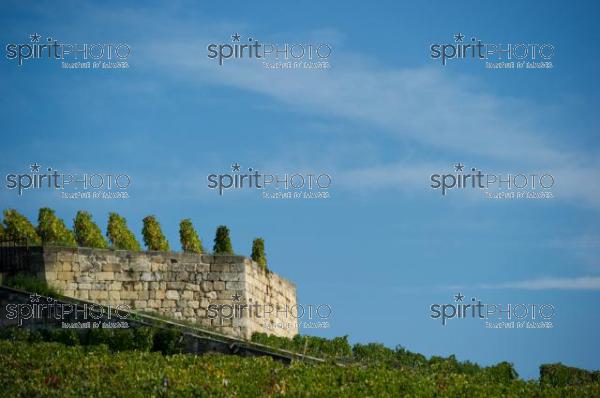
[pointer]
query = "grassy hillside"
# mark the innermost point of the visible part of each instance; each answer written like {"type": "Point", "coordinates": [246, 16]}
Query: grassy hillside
{"type": "Point", "coordinates": [56, 370]}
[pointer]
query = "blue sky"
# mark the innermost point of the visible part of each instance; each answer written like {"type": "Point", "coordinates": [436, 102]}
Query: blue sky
{"type": "Point", "coordinates": [380, 121]}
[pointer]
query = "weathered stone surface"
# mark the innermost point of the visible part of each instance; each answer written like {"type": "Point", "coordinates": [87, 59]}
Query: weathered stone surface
{"type": "Point", "coordinates": [231, 276]}
{"type": "Point", "coordinates": [206, 286]}
{"type": "Point", "coordinates": [105, 276]}
{"type": "Point", "coordinates": [168, 303]}
{"type": "Point", "coordinates": [178, 285]}
{"type": "Point", "coordinates": [111, 267]}
{"type": "Point", "coordinates": [65, 275]}
{"type": "Point", "coordinates": [147, 276]}
{"type": "Point", "coordinates": [192, 286]}
{"type": "Point", "coordinates": [98, 295]}
{"type": "Point", "coordinates": [234, 285]}
{"type": "Point", "coordinates": [187, 295]}
{"type": "Point", "coordinates": [140, 304]}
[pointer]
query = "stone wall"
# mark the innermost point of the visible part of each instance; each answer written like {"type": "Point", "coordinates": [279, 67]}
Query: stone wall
{"type": "Point", "coordinates": [215, 291]}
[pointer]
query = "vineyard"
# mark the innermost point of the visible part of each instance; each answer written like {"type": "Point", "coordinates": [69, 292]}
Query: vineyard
{"type": "Point", "coordinates": [33, 366]}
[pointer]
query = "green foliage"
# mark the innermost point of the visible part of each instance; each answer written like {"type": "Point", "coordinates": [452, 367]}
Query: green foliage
{"type": "Point", "coordinates": [119, 234]}
{"type": "Point", "coordinates": [502, 372]}
{"type": "Point", "coordinates": [52, 369]}
{"type": "Point", "coordinates": [258, 252]}
{"type": "Point", "coordinates": [379, 355]}
{"type": "Point", "coordinates": [154, 239]}
{"type": "Point", "coordinates": [18, 227]}
{"type": "Point", "coordinates": [87, 233]}
{"type": "Point", "coordinates": [559, 375]}
{"type": "Point", "coordinates": [190, 241]}
{"type": "Point", "coordinates": [31, 284]}
{"type": "Point", "coordinates": [52, 230]}
{"type": "Point", "coordinates": [336, 348]}
{"type": "Point", "coordinates": [222, 241]}
{"type": "Point", "coordinates": [1, 231]}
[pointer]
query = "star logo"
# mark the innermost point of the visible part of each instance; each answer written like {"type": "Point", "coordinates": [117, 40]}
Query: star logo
{"type": "Point", "coordinates": [35, 38]}
{"type": "Point", "coordinates": [235, 167]}
{"type": "Point", "coordinates": [459, 167]}
{"type": "Point", "coordinates": [35, 298]}
{"type": "Point", "coordinates": [35, 167]}
{"type": "Point", "coordinates": [459, 37]}
{"type": "Point", "coordinates": [236, 297]}
{"type": "Point", "coordinates": [458, 297]}
{"type": "Point", "coordinates": [235, 37]}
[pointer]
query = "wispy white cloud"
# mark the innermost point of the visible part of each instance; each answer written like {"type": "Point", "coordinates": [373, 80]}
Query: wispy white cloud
{"type": "Point", "coordinates": [545, 283]}
{"type": "Point", "coordinates": [438, 110]}
{"type": "Point", "coordinates": [443, 112]}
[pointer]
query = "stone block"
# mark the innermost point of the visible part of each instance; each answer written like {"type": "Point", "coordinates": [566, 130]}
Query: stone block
{"type": "Point", "coordinates": [213, 276]}
{"type": "Point", "coordinates": [168, 304]}
{"type": "Point", "coordinates": [220, 267]}
{"type": "Point", "coordinates": [182, 276]}
{"type": "Point", "coordinates": [181, 303]}
{"type": "Point", "coordinates": [231, 276]}
{"type": "Point", "coordinates": [176, 285]}
{"type": "Point", "coordinates": [105, 276]}
{"type": "Point", "coordinates": [202, 268]}
{"type": "Point", "coordinates": [227, 295]}
{"type": "Point", "coordinates": [129, 295]}
{"type": "Point", "coordinates": [187, 295]}
{"type": "Point", "coordinates": [50, 276]}
{"type": "Point", "coordinates": [234, 285]}
{"type": "Point", "coordinates": [114, 295]}
{"type": "Point", "coordinates": [154, 303]}
{"type": "Point", "coordinates": [201, 313]}
{"type": "Point", "coordinates": [65, 275]}
{"type": "Point", "coordinates": [140, 264]}
{"type": "Point", "coordinates": [191, 268]}
{"type": "Point", "coordinates": [206, 286]}
{"type": "Point", "coordinates": [147, 276]}
{"type": "Point", "coordinates": [66, 256]}
{"type": "Point", "coordinates": [219, 285]}
{"type": "Point", "coordinates": [140, 304]}
{"type": "Point", "coordinates": [111, 267]}
{"type": "Point", "coordinates": [192, 286]}
{"type": "Point", "coordinates": [98, 295]}
{"type": "Point", "coordinates": [172, 295]}
{"type": "Point", "coordinates": [126, 276]}
{"type": "Point", "coordinates": [238, 267]}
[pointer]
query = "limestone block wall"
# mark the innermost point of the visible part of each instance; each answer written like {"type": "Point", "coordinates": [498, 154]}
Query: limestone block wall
{"type": "Point", "coordinates": [276, 299]}
{"type": "Point", "coordinates": [215, 291]}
